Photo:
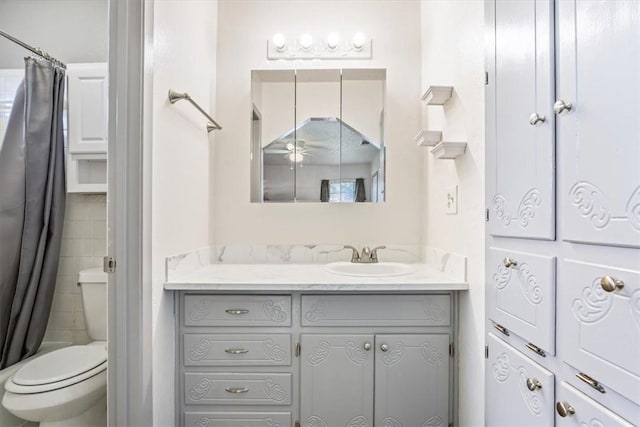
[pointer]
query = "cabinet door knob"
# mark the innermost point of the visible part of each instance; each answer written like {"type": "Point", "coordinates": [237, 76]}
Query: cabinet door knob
{"type": "Point", "coordinates": [367, 346]}
{"type": "Point", "coordinates": [560, 107]}
{"type": "Point", "coordinates": [533, 384]}
{"type": "Point", "coordinates": [535, 118]}
{"type": "Point", "coordinates": [564, 409]}
{"type": "Point", "coordinates": [610, 284]}
{"type": "Point", "coordinates": [384, 347]}
{"type": "Point", "coordinates": [509, 262]}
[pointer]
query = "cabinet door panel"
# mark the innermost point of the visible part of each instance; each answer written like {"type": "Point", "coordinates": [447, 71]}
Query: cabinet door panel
{"type": "Point", "coordinates": [522, 297]}
{"type": "Point", "coordinates": [588, 413]}
{"type": "Point", "coordinates": [88, 98]}
{"type": "Point", "coordinates": [521, 155]}
{"type": "Point", "coordinates": [509, 401]}
{"type": "Point", "coordinates": [412, 380]}
{"type": "Point", "coordinates": [336, 380]}
{"type": "Point", "coordinates": [599, 74]}
{"type": "Point", "coordinates": [600, 331]}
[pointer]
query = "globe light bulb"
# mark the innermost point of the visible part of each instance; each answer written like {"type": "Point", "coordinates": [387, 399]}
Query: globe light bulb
{"type": "Point", "coordinates": [306, 41]}
{"type": "Point", "coordinates": [332, 40]}
{"type": "Point", "coordinates": [358, 41]}
{"type": "Point", "coordinates": [279, 41]}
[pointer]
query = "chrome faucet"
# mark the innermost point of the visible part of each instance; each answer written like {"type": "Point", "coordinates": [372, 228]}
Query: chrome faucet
{"type": "Point", "coordinates": [367, 255]}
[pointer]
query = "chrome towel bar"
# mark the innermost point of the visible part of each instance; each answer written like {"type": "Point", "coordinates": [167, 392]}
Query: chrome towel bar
{"type": "Point", "coordinates": [177, 96]}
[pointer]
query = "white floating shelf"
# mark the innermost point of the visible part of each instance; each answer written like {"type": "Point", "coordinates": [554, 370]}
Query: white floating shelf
{"type": "Point", "coordinates": [437, 95]}
{"type": "Point", "coordinates": [428, 138]}
{"type": "Point", "coordinates": [449, 150]}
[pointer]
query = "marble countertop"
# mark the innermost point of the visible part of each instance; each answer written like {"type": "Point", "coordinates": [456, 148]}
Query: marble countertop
{"type": "Point", "coordinates": [306, 277]}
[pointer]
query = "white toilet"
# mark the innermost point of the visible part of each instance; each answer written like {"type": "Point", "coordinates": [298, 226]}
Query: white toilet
{"type": "Point", "coordinates": [68, 387]}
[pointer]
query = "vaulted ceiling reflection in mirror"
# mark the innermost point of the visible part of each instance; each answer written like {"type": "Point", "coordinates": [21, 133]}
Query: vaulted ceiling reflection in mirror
{"type": "Point", "coordinates": [333, 149]}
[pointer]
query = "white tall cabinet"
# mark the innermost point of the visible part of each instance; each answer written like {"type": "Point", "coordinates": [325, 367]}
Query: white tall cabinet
{"type": "Point", "coordinates": [563, 213]}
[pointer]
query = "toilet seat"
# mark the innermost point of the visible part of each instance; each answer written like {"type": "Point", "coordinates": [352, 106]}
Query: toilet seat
{"type": "Point", "coordinates": [59, 369]}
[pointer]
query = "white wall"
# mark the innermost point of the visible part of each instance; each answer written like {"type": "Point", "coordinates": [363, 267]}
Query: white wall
{"type": "Point", "coordinates": [244, 28]}
{"type": "Point", "coordinates": [453, 54]}
{"type": "Point", "coordinates": [71, 30]}
{"type": "Point", "coordinates": [183, 58]}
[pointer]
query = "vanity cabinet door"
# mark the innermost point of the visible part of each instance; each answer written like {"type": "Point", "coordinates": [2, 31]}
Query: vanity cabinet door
{"type": "Point", "coordinates": [519, 391]}
{"type": "Point", "coordinates": [336, 380]}
{"type": "Point", "coordinates": [520, 122]}
{"type": "Point", "coordinates": [599, 76]}
{"type": "Point", "coordinates": [587, 412]}
{"type": "Point", "coordinates": [412, 380]}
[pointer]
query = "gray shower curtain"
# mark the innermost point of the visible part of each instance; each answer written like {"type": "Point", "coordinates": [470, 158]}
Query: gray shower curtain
{"type": "Point", "coordinates": [32, 201]}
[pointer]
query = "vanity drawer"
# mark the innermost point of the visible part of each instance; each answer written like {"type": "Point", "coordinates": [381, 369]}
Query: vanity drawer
{"type": "Point", "coordinates": [237, 419]}
{"type": "Point", "coordinates": [237, 310]}
{"type": "Point", "coordinates": [237, 389]}
{"type": "Point", "coordinates": [599, 330]}
{"type": "Point", "coordinates": [237, 349]}
{"type": "Point", "coordinates": [376, 310]}
{"type": "Point", "coordinates": [521, 295]}
{"type": "Point", "coordinates": [509, 401]}
{"type": "Point", "coordinates": [587, 411]}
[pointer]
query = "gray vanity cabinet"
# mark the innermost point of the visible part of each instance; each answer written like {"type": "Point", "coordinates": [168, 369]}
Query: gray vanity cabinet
{"type": "Point", "coordinates": [315, 360]}
{"type": "Point", "coordinates": [411, 383]}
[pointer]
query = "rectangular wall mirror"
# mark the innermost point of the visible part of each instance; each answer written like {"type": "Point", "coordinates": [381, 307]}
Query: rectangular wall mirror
{"type": "Point", "coordinates": [318, 136]}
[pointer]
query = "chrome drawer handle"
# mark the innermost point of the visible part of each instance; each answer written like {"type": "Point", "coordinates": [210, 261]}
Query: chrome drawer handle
{"type": "Point", "coordinates": [236, 311]}
{"type": "Point", "coordinates": [610, 284]}
{"type": "Point", "coordinates": [564, 409]}
{"type": "Point", "coordinates": [536, 349]}
{"type": "Point", "coordinates": [560, 106]}
{"type": "Point", "coordinates": [236, 350]}
{"type": "Point", "coordinates": [593, 383]}
{"type": "Point", "coordinates": [236, 390]}
{"type": "Point", "coordinates": [509, 262]}
{"type": "Point", "coordinates": [533, 384]}
{"type": "Point", "coordinates": [534, 119]}
{"type": "Point", "coordinates": [501, 329]}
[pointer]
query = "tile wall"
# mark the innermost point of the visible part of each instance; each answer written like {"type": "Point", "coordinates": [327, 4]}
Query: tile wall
{"type": "Point", "coordinates": [83, 246]}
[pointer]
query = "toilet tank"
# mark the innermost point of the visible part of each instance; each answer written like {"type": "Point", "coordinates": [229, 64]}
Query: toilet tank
{"type": "Point", "coordinates": [93, 284]}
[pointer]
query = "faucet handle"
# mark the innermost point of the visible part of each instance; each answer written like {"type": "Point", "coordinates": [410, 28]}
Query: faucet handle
{"type": "Point", "coordinates": [374, 253]}
{"type": "Point", "coordinates": [355, 256]}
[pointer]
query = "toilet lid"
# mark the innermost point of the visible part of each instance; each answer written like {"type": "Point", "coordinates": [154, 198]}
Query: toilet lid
{"type": "Point", "coordinates": [60, 365]}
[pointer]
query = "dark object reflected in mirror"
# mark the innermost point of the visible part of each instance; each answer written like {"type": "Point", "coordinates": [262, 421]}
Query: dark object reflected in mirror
{"type": "Point", "coordinates": [317, 136]}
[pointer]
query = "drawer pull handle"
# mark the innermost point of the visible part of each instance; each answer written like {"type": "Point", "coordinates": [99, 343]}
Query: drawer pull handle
{"type": "Point", "coordinates": [236, 311]}
{"type": "Point", "coordinates": [509, 262]}
{"type": "Point", "coordinates": [593, 383]}
{"type": "Point", "coordinates": [236, 350]}
{"type": "Point", "coordinates": [564, 409]}
{"type": "Point", "coordinates": [236, 390]}
{"type": "Point", "coordinates": [501, 329]}
{"type": "Point", "coordinates": [610, 284]}
{"type": "Point", "coordinates": [533, 384]}
{"type": "Point", "coordinates": [536, 349]}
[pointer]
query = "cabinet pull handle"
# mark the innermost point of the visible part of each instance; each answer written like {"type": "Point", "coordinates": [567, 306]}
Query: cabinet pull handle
{"type": "Point", "coordinates": [610, 284]}
{"type": "Point", "coordinates": [367, 346]}
{"type": "Point", "coordinates": [509, 262]}
{"type": "Point", "coordinates": [560, 106]}
{"type": "Point", "coordinates": [533, 384]}
{"type": "Point", "coordinates": [593, 383]}
{"type": "Point", "coordinates": [535, 118]}
{"type": "Point", "coordinates": [501, 329]}
{"type": "Point", "coordinates": [236, 390]}
{"type": "Point", "coordinates": [564, 409]}
{"type": "Point", "coordinates": [536, 349]}
{"type": "Point", "coordinates": [384, 347]}
{"type": "Point", "coordinates": [236, 350]}
{"type": "Point", "coordinates": [236, 311]}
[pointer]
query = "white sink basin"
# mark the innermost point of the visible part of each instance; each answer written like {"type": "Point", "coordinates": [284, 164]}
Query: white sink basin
{"type": "Point", "coordinates": [379, 269]}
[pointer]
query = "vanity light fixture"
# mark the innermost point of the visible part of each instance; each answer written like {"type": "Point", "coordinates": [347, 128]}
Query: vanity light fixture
{"type": "Point", "coordinates": [333, 39]}
{"type": "Point", "coordinates": [279, 41]}
{"type": "Point", "coordinates": [358, 41]}
{"type": "Point", "coordinates": [306, 41]}
{"type": "Point", "coordinates": [308, 46]}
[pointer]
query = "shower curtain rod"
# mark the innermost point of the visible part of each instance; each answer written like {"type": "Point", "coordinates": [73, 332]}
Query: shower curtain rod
{"type": "Point", "coordinates": [41, 53]}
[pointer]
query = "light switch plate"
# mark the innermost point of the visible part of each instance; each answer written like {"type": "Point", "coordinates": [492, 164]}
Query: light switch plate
{"type": "Point", "coordinates": [451, 200]}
